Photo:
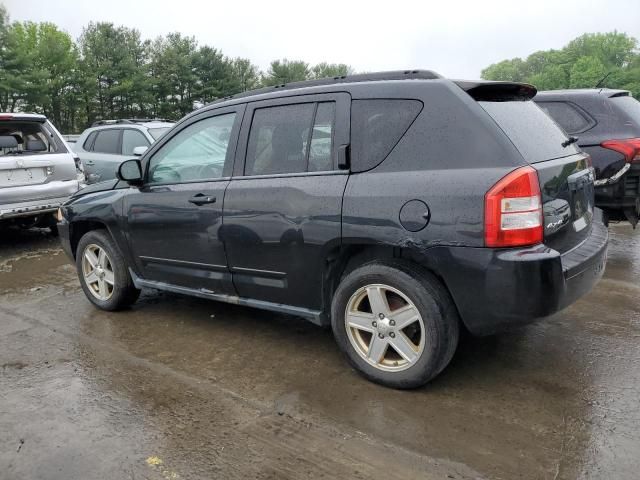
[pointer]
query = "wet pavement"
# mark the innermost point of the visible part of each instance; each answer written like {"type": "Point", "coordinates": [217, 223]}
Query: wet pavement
{"type": "Point", "coordinates": [180, 388]}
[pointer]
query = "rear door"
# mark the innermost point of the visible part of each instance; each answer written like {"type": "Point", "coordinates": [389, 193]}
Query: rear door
{"type": "Point", "coordinates": [102, 154]}
{"type": "Point", "coordinates": [282, 212]}
{"type": "Point", "coordinates": [564, 171]}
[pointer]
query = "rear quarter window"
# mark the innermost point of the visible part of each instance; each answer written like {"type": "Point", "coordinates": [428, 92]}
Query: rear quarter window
{"type": "Point", "coordinates": [376, 127]}
{"type": "Point", "coordinates": [536, 136]}
{"type": "Point", "coordinates": [569, 117]}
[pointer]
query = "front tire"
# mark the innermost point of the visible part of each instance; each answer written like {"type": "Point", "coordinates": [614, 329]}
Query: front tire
{"type": "Point", "coordinates": [396, 323]}
{"type": "Point", "coordinates": [103, 273]}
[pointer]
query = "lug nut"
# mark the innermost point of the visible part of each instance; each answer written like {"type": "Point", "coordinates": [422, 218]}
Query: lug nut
{"type": "Point", "coordinates": [381, 316]}
{"type": "Point", "coordinates": [392, 335]}
{"type": "Point", "coordinates": [374, 323]}
{"type": "Point", "coordinates": [392, 323]}
{"type": "Point", "coordinates": [381, 335]}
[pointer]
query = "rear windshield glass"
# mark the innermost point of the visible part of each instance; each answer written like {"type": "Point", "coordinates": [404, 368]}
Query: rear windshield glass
{"type": "Point", "coordinates": [156, 133]}
{"type": "Point", "coordinates": [25, 138]}
{"type": "Point", "coordinates": [536, 136]}
{"type": "Point", "coordinates": [630, 106]}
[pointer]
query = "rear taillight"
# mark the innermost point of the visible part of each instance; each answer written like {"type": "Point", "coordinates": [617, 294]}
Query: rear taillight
{"type": "Point", "coordinates": [6, 117]}
{"type": "Point", "coordinates": [629, 147]}
{"type": "Point", "coordinates": [513, 210]}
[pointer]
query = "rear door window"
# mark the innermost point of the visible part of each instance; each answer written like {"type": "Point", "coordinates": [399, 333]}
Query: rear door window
{"type": "Point", "coordinates": [132, 139]}
{"type": "Point", "coordinates": [291, 139]}
{"type": "Point", "coordinates": [376, 127]}
{"type": "Point", "coordinates": [535, 135]}
{"type": "Point", "coordinates": [567, 116]}
{"type": "Point", "coordinates": [108, 141]}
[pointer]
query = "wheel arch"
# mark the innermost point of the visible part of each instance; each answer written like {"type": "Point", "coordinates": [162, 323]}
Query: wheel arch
{"type": "Point", "coordinates": [341, 261]}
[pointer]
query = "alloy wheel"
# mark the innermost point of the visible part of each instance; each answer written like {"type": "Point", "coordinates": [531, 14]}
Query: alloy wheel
{"type": "Point", "coordinates": [385, 327]}
{"type": "Point", "coordinates": [97, 272]}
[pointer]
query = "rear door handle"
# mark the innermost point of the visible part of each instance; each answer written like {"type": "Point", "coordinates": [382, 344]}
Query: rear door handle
{"type": "Point", "coordinates": [90, 162]}
{"type": "Point", "coordinates": [202, 199]}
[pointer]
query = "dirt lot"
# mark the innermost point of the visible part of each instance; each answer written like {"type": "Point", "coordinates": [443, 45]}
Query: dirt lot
{"type": "Point", "coordinates": [180, 388]}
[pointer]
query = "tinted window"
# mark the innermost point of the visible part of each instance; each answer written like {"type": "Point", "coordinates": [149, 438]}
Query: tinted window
{"type": "Point", "coordinates": [532, 131]}
{"type": "Point", "coordinates": [88, 143]}
{"type": "Point", "coordinates": [278, 138]}
{"type": "Point", "coordinates": [630, 106]}
{"type": "Point", "coordinates": [132, 139]}
{"type": "Point", "coordinates": [566, 115]}
{"type": "Point", "coordinates": [198, 152]}
{"type": "Point", "coordinates": [107, 141]}
{"type": "Point", "coordinates": [376, 127]}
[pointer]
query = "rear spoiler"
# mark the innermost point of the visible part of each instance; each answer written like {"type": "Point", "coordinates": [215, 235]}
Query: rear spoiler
{"type": "Point", "coordinates": [17, 117]}
{"type": "Point", "coordinates": [497, 91]}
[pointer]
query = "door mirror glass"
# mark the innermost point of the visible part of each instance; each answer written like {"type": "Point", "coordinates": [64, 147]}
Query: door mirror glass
{"type": "Point", "coordinates": [130, 171]}
{"type": "Point", "coordinates": [139, 151]}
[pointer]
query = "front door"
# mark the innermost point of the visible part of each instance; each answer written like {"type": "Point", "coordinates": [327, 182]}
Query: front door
{"type": "Point", "coordinates": [175, 218]}
{"type": "Point", "coordinates": [282, 212]}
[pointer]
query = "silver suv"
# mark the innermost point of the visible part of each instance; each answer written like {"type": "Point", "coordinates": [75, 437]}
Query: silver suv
{"type": "Point", "coordinates": [107, 143]}
{"type": "Point", "coordinates": [38, 171]}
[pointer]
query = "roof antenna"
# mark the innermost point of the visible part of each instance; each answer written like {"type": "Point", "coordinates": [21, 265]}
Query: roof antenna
{"type": "Point", "coordinates": [599, 84]}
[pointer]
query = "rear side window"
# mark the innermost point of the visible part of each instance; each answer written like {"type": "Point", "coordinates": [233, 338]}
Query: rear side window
{"type": "Point", "coordinates": [132, 139]}
{"type": "Point", "coordinates": [532, 131]}
{"type": "Point", "coordinates": [630, 106]}
{"type": "Point", "coordinates": [291, 139]}
{"type": "Point", "coordinates": [567, 116]}
{"type": "Point", "coordinates": [376, 127]}
{"type": "Point", "coordinates": [107, 141]}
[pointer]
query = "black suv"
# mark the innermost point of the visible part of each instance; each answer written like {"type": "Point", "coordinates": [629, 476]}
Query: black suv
{"type": "Point", "coordinates": [607, 125]}
{"type": "Point", "coordinates": [396, 207]}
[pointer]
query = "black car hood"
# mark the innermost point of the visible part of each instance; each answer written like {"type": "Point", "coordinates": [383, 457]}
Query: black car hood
{"type": "Point", "coordinates": [99, 187]}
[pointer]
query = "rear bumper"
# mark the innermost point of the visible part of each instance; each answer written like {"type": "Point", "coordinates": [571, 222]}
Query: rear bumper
{"type": "Point", "coordinates": [623, 193]}
{"type": "Point", "coordinates": [35, 199]}
{"type": "Point", "coordinates": [495, 290]}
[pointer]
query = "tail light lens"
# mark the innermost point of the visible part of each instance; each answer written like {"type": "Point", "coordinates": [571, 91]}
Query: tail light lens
{"type": "Point", "coordinates": [629, 147]}
{"type": "Point", "coordinates": [513, 210]}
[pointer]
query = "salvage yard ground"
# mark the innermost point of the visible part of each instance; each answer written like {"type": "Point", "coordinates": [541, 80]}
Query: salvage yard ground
{"type": "Point", "coordinates": [180, 388]}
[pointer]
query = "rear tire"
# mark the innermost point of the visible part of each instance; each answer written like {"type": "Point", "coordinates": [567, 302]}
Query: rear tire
{"type": "Point", "coordinates": [103, 272]}
{"type": "Point", "coordinates": [409, 343]}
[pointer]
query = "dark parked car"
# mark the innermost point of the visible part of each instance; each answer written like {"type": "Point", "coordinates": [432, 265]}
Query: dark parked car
{"type": "Point", "coordinates": [607, 125]}
{"type": "Point", "coordinates": [396, 207]}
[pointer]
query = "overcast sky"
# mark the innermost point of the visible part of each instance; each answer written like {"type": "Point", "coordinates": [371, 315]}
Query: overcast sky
{"type": "Point", "coordinates": [453, 37]}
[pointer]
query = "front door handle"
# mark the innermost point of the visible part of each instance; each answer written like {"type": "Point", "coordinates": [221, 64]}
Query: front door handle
{"type": "Point", "coordinates": [89, 162]}
{"type": "Point", "coordinates": [202, 199]}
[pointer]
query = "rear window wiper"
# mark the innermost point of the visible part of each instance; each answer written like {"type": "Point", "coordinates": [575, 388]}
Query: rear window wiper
{"type": "Point", "coordinates": [569, 141]}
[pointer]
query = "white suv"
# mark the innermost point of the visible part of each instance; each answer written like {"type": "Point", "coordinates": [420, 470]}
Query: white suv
{"type": "Point", "coordinates": [107, 143]}
{"type": "Point", "coordinates": [38, 170]}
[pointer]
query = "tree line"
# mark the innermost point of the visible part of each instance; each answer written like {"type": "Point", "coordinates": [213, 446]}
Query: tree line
{"type": "Point", "coordinates": [111, 72]}
{"type": "Point", "coordinates": [592, 60]}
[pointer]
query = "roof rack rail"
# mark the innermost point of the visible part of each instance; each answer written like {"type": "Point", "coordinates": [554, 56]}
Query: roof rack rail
{"type": "Point", "coordinates": [98, 123]}
{"type": "Point", "coordinates": [358, 77]}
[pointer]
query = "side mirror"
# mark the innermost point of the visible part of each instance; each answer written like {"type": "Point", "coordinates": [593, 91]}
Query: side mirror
{"type": "Point", "coordinates": [139, 151]}
{"type": "Point", "coordinates": [130, 171]}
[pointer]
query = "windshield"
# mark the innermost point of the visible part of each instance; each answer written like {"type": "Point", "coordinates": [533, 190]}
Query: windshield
{"type": "Point", "coordinates": [536, 136]}
{"type": "Point", "coordinates": [156, 133]}
{"type": "Point", "coordinates": [630, 106]}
